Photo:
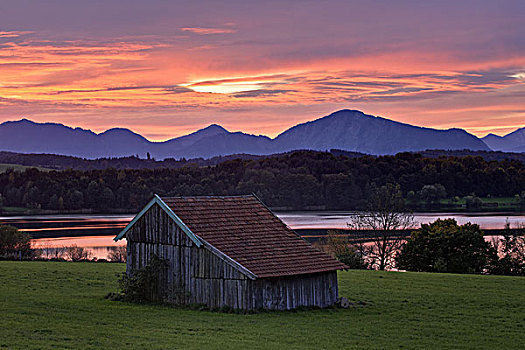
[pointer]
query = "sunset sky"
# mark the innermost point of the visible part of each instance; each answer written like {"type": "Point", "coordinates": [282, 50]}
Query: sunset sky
{"type": "Point", "coordinates": [164, 68]}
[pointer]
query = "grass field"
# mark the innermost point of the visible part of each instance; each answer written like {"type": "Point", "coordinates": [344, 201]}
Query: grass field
{"type": "Point", "coordinates": [506, 203]}
{"type": "Point", "coordinates": [61, 305]}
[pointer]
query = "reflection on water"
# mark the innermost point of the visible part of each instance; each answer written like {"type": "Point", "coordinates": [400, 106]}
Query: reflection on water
{"type": "Point", "coordinates": [68, 225]}
{"type": "Point", "coordinates": [339, 220]}
{"type": "Point", "coordinates": [98, 246]}
{"type": "Point", "coordinates": [96, 232]}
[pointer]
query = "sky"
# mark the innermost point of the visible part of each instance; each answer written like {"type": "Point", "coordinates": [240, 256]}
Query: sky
{"type": "Point", "coordinates": [166, 68]}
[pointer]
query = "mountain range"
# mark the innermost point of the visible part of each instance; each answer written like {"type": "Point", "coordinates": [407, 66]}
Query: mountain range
{"type": "Point", "coordinates": [513, 142]}
{"type": "Point", "coordinates": [348, 130]}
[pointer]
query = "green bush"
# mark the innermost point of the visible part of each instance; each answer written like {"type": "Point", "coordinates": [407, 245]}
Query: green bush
{"type": "Point", "coordinates": [445, 246]}
{"type": "Point", "coordinates": [149, 284]}
{"type": "Point", "coordinates": [146, 284]}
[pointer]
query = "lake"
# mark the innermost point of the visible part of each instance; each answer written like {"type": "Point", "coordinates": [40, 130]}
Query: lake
{"type": "Point", "coordinates": [96, 232]}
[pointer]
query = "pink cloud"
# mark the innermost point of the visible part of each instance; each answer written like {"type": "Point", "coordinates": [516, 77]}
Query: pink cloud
{"type": "Point", "coordinates": [435, 65]}
{"type": "Point", "coordinates": [13, 34]}
{"type": "Point", "coordinates": [208, 31]}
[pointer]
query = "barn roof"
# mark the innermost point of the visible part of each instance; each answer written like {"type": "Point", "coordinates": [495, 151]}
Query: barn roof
{"type": "Point", "coordinates": [245, 230]}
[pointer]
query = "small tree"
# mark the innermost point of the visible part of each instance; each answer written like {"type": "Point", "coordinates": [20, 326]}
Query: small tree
{"type": "Point", "coordinates": [511, 247]}
{"type": "Point", "coordinates": [381, 223]}
{"type": "Point", "coordinates": [337, 244]}
{"type": "Point", "coordinates": [14, 243]}
{"type": "Point", "coordinates": [445, 246]}
{"type": "Point", "coordinates": [473, 202]}
{"type": "Point", "coordinates": [117, 254]}
{"type": "Point", "coordinates": [432, 193]}
{"type": "Point", "coordinates": [75, 253]}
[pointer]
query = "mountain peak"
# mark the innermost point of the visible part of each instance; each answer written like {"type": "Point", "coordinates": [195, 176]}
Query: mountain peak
{"type": "Point", "coordinates": [118, 131]}
{"type": "Point", "coordinates": [345, 113]}
{"type": "Point", "coordinates": [491, 135]}
{"type": "Point", "coordinates": [25, 120]}
{"type": "Point", "coordinates": [512, 142]}
{"type": "Point", "coordinates": [212, 129]}
{"type": "Point", "coordinates": [21, 121]}
{"type": "Point", "coordinates": [353, 130]}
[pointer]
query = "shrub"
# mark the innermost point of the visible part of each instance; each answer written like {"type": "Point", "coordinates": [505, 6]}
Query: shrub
{"type": "Point", "coordinates": [473, 202]}
{"type": "Point", "coordinates": [336, 243]}
{"type": "Point", "coordinates": [14, 243]}
{"type": "Point", "coordinates": [353, 258]}
{"type": "Point", "coordinates": [75, 253]}
{"type": "Point", "coordinates": [117, 254]}
{"type": "Point", "coordinates": [145, 284]}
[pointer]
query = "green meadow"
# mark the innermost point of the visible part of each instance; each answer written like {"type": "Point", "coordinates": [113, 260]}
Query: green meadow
{"type": "Point", "coordinates": [50, 305]}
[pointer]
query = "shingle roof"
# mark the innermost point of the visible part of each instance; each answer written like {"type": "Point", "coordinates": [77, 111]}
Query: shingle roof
{"type": "Point", "coordinates": [249, 233]}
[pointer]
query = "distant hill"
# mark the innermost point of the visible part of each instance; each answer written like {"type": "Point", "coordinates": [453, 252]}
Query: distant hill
{"type": "Point", "coordinates": [25, 136]}
{"type": "Point", "coordinates": [513, 142]}
{"type": "Point", "coordinates": [347, 130]}
{"type": "Point", "coordinates": [22, 161]}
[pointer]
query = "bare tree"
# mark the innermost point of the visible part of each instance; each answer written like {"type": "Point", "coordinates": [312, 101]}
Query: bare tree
{"type": "Point", "coordinates": [75, 253]}
{"type": "Point", "coordinates": [117, 254]}
{"type": "Point", "coordinates": [45, 250]}
{"type": "Point", "coordinates": [382, 224]}
{"type": "Point", "coordinates": [511, 251]}
{"type": "Point", "coordinates": [58, 253]}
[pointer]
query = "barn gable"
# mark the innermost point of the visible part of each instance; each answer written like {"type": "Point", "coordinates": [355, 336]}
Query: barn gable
{"type": "Point", "coordinates": [143, 228]}
{"type": "Point", "coordinates": [158, 201]}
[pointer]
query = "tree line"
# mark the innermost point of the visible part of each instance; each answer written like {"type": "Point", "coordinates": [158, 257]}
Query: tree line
{"type": "Point", "coordinates": [299, 180]}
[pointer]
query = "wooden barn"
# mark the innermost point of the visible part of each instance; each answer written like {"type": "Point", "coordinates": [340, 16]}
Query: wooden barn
{"type": "Point", "coordinates": [230, 251]}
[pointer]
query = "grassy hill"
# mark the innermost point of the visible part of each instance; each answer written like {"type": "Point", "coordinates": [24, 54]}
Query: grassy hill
{"type": "Point", "coordinates": [62, 305]}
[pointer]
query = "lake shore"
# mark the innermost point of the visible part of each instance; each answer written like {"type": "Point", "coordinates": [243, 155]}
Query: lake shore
{"type": "Point", "coordinates": [311, 223]}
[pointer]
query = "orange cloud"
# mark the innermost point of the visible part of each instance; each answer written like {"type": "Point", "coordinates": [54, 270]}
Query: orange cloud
{"type": "Point", "coordinates": [208, 31]}
{"type": "Point", "coordinates": [164, 87]}
{"type": "Point", "coordinates": [13, 34]}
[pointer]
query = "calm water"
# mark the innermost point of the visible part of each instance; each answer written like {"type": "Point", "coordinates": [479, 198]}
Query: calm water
{"type": "Point", "coordinates": [96, 232]}
{"type": "Point", "coordinates": [323, 219]}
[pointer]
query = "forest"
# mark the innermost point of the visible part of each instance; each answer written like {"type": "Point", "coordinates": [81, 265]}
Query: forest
{"type": "Point", "coordinates": [62, 162]}
{"type": "Point", "coordinates": [301, 180]}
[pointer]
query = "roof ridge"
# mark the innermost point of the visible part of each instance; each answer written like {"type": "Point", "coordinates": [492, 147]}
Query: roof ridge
{"type": "Point", "coordinates": [208, 197]}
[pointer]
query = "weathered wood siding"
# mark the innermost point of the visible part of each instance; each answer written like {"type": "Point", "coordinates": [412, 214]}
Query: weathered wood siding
{"type": "Point", "coordinates": [199, 276]}
{"type": "Point", "coordinates": [286, 293]}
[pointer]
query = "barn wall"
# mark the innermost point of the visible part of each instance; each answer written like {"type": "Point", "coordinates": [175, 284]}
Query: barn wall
{"type": "Point", "coordinates": [199, 276]}
{"type": "Point", "coordinates": [284, 293]}
{"type": "Point", "coordinates": [194, 275]}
